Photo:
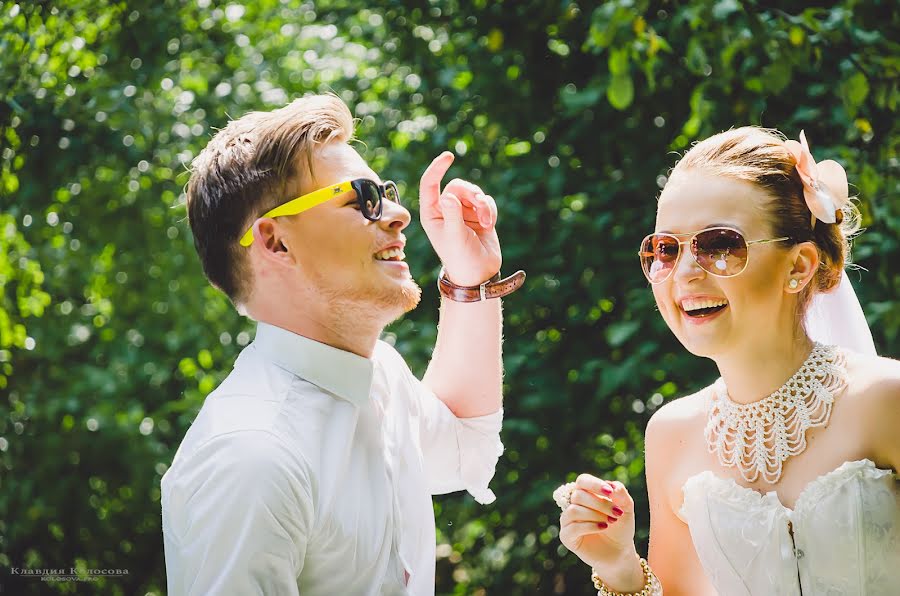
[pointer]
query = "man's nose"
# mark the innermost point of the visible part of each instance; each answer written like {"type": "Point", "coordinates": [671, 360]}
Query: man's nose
{"type": "Point", "coordinates": [394, 215]}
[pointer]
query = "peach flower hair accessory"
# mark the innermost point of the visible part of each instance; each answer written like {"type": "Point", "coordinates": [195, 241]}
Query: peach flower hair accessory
{"type": "Point", "coordinates": [824, 184]}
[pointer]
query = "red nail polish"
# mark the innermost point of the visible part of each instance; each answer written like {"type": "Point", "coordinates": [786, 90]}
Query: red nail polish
{"type": "Point", "coordinates": [606, 489]}
{"type": "Point", "coordinates": [602, 525]}
{"type": "Point", "coordinates": [612, 519]}
{"type": "Point", "coordinates": [617, 511]}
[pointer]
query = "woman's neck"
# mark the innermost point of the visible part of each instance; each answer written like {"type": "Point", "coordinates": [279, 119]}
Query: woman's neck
{"type": "Point", "coordinates": [759, 370]}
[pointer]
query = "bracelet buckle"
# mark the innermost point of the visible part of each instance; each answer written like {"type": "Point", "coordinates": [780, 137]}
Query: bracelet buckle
{"type": "Point", "coordinates": [492, 288]}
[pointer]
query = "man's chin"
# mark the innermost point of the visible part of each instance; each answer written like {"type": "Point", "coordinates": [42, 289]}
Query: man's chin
{"type": "Point", "coordinates": [409, 296]}
{"type": "Point", "coordinates": [396, 301]}
{"type": "Point", "coordinates": [388, 302]}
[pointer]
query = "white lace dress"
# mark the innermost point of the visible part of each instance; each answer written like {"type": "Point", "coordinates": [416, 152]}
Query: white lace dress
{"type": "Point", "coordinates": [841, 538]}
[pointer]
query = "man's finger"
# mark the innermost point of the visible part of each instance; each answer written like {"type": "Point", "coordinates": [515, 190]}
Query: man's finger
{"type": "Point", "coordinates": [470, 215]}
{"type": "Point", "coordinates": [430, 183]}
{"type": "Point", "coordinates": [463, 189]}
{"type": "Point", "coordinates": [471, 196]}
{"type": "Point", "coordinates": [452, 211]}
{"type": "Point", "coordinates": [493, 206]}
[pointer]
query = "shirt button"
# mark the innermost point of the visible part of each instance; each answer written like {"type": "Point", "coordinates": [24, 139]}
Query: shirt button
{"type": "Point", "coordinates": [799, 554]}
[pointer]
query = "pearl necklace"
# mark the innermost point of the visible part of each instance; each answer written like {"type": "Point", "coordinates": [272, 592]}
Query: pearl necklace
{"type": "Point", "coordinates": [758, 437]}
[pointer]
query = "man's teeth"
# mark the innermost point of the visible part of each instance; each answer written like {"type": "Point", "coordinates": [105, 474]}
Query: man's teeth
{"type": "Point", "coordinates": [691, 304]}
{"type": "Point", "coordinates": [389, 254]}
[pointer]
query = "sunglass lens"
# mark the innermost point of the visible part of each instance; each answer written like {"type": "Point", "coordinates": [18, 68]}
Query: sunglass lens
{"type": "Point", "coordinates": [391, 192]}
{"type": "Point", "coordinates": [371, 200]}
{"type": "Point", "coordinates": [720, 251]}
{"type": "Point", "coordinates": [659, 254]}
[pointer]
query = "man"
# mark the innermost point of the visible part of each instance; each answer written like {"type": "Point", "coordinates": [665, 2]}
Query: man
{"type": "Point", "coordinates": [310, 468]}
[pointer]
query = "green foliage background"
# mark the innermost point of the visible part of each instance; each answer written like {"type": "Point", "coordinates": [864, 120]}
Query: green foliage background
{"type": "Point", "coordinates": [570, 114]}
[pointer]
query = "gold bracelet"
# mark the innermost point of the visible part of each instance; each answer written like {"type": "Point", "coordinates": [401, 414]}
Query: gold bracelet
{"type": "Point", "coordinates": [652, 587]}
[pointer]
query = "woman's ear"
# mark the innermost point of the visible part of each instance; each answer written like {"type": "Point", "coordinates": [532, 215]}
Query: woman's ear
{"type": "Point", "coordinates": [805, 265]}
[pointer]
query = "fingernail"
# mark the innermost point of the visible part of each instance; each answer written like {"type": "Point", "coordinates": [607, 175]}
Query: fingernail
{"type": "Point", "coordinates": [606, 489]}
{"type": "Point", "coordinates": [611, 519]}
{"type": "Point", "coordinates": [617, 511]}
{"type": "Point", "coordinates": [602, 525]}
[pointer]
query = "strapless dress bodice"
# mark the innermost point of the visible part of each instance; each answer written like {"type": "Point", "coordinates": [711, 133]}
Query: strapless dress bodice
{"type": "Point", "coordinates": [841, 538]}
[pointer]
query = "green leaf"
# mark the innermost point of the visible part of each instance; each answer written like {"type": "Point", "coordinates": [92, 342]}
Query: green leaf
{"type": "Point", "coordinates": [777, 76]}
{"type": "Point", "coordinates": [620, 92]}
{"type": "Point", "coordinates": [517, 148]}
{"type": "Point", "coordinates": [723, 8]}
{"type": "Point", "coordinates": [618, 333]}
{"type": "Point", "coordinates": [618, 61]}
{"type": "Point", "coordinates": [575, 101]}
{"type": "Point", "coordinates": [462, 79]}
{"type": "Point", "coordinates": [854, 92]}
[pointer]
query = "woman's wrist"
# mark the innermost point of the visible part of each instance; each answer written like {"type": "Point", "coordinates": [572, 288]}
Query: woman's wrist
{"type": "Point", "coordinates": [625, 575]}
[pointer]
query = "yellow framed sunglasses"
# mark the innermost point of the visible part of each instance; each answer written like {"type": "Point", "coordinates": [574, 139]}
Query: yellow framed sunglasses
{"type": "Point", "coordinates": [369, 196]}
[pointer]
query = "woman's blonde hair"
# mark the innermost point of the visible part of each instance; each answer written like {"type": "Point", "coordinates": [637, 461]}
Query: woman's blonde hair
{"type": "Point", "coordinates": [759, 156]}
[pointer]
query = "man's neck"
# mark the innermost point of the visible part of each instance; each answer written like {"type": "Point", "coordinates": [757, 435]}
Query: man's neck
{"type": "Point", "coordinates": [343, 326]}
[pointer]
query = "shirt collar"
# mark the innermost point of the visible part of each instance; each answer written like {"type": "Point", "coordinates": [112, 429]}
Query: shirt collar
{"type": "Point", "coordinates": [347, 375]}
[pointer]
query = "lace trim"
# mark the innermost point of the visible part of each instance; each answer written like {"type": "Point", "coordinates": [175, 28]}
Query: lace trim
{"type": "Point", "coordinates": [757, 438]}
{"type": "Point", "coordinates": [829, 482]}
{"type": "Point", "coordinates": [707, 483]}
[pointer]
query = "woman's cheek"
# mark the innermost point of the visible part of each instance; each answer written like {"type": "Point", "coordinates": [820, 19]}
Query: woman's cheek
{"type": "Point", "coordinates": [663, 302]}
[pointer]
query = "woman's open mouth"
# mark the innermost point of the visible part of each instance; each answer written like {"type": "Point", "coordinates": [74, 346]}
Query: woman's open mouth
{"type": "Point", "coordinates": [704, 307]}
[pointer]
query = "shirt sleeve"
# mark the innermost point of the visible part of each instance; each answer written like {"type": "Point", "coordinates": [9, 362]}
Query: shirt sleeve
{"type": "Point", "coordinates": [237, 518]}
{"type": "Point", "coordinates": [459, 453]}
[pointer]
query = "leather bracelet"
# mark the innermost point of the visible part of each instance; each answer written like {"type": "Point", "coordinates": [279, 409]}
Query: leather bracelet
{"type": "Point", "coordinates": [492, 288]}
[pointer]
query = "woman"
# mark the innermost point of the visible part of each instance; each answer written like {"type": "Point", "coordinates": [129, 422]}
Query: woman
{"type": "Point", "coordinates": [780, 477]}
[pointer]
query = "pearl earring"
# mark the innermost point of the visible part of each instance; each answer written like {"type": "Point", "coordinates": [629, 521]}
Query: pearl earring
{"type": "Point", "coordinates": [793, 284]}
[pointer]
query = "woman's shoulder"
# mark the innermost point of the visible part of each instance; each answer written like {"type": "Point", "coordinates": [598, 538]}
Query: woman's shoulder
{"type": "Point", "coordinates": [679, 416]}
{"type": "Point", "coordinates": [873, 378]}
{"type": "Point", "coordinates": [674, 442]}
{"type": "Point", "coordinates": [874, 388]}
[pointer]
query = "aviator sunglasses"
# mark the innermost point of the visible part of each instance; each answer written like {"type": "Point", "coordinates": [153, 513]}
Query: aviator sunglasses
{"type": "Point", "coordinates": [369, 196]}
{"type": "Point", "coordinates": [720, 251]}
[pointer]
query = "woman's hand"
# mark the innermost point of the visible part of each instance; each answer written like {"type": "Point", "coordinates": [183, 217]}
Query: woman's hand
{"type": "Point", "coordinates": [598, 526]}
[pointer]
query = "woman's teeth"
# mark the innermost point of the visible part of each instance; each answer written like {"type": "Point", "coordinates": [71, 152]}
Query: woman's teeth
{"type": "Point", "coordinates": [695, 307]}
{"type": "Point", "coordinates": [690, 304]}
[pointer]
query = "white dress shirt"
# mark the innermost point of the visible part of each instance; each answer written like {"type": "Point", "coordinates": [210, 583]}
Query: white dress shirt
{"type": "Point", "coordinates": [310, 471]}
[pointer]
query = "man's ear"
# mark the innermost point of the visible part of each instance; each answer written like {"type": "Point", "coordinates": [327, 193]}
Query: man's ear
{"type": "Point", "coordinates": [269, 241]}
{"type": "Point", "coordinates": [805, 265]}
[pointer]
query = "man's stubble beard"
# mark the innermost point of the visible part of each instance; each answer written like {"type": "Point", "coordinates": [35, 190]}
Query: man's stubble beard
{"type": "Point", "coordinates": [360, 303]}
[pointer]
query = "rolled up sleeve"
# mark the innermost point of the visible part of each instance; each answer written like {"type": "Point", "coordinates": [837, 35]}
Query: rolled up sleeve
{"type": "Point", "coordinates": [237, 517]}
{"type": "Point", "coordinates": [459, 453]}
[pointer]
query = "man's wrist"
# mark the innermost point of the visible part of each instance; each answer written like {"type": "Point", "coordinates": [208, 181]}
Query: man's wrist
{"type": "Point", "coordinates": [491, 288]}
{"type": "Point", "coordinates": [454, 279]}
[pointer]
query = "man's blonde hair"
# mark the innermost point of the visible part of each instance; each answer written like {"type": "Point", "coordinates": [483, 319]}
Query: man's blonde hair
{"type": "Point", "coordinates": [244, 171]}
